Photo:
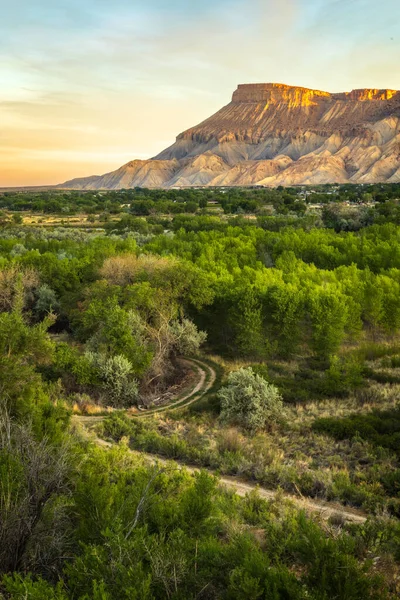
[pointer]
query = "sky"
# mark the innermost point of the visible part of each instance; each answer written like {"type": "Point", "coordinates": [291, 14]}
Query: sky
{"type": "Point", "coordinates": [87, 85]}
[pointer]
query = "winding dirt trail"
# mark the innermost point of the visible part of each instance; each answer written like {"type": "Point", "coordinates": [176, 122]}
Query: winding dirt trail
{"type": "Point", "coordinates": [207, 377]}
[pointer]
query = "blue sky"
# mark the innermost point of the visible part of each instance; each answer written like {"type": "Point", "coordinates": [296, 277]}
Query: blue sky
{"type": "Point", "coordinates": [87, 85]}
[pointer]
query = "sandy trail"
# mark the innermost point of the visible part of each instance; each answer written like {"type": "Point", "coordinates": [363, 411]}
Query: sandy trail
{"type": "Point", "coordinates": [205, 382]}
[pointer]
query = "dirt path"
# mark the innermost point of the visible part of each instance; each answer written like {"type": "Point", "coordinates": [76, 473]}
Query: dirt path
{"type": "Point", "coordinates": [325, 510]}
{"type": "Point", "coordinates": [206, 379]}
{"type": "Point", "coordinates": [207, 376]}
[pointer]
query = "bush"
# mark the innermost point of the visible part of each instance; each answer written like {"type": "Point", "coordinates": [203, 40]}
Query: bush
{"type": "Point", "coordinates": [46, 301]}
{"type": "Point", "coordinates": [68, 361]}
{"type": "Point", "coordinates": [20, 587]}
{"type": "Point", "coordinates": [381, 428]}
{"type": "Point", "coordinates": [116, 374]}
{"type": "Point", "coordinates": [261, 370]}
{"type": "Point", "coordinates": [117, 426]}
{"type": "Point", "coordinates": [249, 400]}
{"type": "Point", "coordinates": [188, 338]}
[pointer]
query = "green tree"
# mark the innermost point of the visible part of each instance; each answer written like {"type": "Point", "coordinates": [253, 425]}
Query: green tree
{"type": "Point", "coordinates": [22, 349]}
{"type": "Point", "coordinates": [328, 313]}
{"type": "Point", "coordinates": [246, 321]}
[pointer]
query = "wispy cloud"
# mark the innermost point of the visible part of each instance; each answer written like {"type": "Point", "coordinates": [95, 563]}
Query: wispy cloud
{"type": "Point", "coordinates": [116, 80]}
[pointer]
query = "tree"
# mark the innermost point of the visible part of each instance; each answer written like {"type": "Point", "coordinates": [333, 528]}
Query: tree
{"type": "Point", "coordinates": [22, 349]}
{"type": "Point", "coordinates": [203, 202]}
{"type": "Point", "coordinates": [285, 306]}
{"type": "Point", "coordinates": [249, 400]}
{"type": "Point", "coordinates": [246, 320]}
{"type": "Point", "coordinates": [329, 313]}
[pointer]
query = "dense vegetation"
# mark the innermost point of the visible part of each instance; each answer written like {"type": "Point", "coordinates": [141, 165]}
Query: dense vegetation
{"type": "Point", "coordinates": [297, 311]}
{"type": "Point", "coordinates": [141, 201]}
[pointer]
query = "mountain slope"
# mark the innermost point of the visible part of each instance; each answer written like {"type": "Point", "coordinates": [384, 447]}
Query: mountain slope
{"type": "Point", "coordinates": [274, 134]}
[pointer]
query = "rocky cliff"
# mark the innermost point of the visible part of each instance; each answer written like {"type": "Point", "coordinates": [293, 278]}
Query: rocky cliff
{"type": "Point", "coordinates": [274, 134]}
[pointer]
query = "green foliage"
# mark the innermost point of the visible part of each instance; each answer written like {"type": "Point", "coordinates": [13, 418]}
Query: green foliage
{"type": "Point", "coordinates": [155, 532]}
{"type": "Point", "coordinates": [249, 400]}
{"type": "Point", "coordinates": [382, 428]}
{"type": "Point", "coordinates": [46, 301]}
{"type": "Point", "coordinates": [328, 313]}
{"type": "Point", "coordinates": [82, 522]}
{"type": "Point", "coordinates": [334, 570]}
{"type": "Point", "coordinates": [111, 333]}
{"type": "Point", "coordinates": [22, 349]}
{"type": "Point", "coordinates": [116, 373]}
{"type": "Point", "coordinates": [197, 502]}
{"type": "Point", "coordinates": [69, 361]}
{"type": "Point", "coordinates": [118, 425]}
{"type": "Point", "coordinates": [19, 587]}
{"type": "Point", "coordinates": [187, 338]}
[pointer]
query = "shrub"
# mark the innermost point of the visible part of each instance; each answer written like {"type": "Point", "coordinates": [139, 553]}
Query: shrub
{"type": "Point", "coordinates": [116, 426]}
{"type": "Point", "coordinates": [381, 428]}
{"type": "Point", "coordinates": [230, 440]}
{"type": "Point", "coordinates": [249, 400]}
{"type": "Point", "coordinates": [116, 374]}
{"type": "Point", "coordinates": [188, 338]}
{"type": "Point", "coordinates": [20, 587]}
{"type": "Point", "coordinates": [68, 361]}
{"type": "Point", "coordinates": [46, 301]}
{"type": "Point", "coordinates": [261, 370]}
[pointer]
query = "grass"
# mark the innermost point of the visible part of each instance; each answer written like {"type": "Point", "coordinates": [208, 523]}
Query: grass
{"type": "Point", "coordinates": [380, 427]}
{"type": "Point", "coordinates": [292, 457]}
{"type": "Point", "coordinates": [361, 401]}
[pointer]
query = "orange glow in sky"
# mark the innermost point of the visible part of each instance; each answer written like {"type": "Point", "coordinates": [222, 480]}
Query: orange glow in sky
{"type": "Point", "coordinates": [89, 85]}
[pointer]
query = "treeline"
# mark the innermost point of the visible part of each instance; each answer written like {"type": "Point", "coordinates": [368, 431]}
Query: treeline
{"type": "Point", "coordinates": [143, 201]}
{"type": "Point", "coordinates": [283, 201]}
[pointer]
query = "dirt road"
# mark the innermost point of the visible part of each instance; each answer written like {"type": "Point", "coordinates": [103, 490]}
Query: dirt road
{"type": "Point", "coordinates": [206, 379]}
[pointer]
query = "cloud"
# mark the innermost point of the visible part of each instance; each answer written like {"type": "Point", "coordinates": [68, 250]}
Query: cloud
{"type": "Point", "coordinates": [122, 79]}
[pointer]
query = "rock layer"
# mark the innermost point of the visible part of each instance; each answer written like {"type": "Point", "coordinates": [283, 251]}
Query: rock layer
{"type": "Point", "coordinates": [274, 134]}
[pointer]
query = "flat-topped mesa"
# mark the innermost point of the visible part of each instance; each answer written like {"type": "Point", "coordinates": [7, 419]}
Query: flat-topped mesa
{"type": "Point", "coordinates": [277, 93]}
{"type": "Point", "coordinates": [274, 134]}
{"type": "Point", "coordinates": [364, 94]}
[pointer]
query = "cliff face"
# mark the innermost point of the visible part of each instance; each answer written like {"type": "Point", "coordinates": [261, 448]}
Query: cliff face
{"type": "Point", "coordinates": [275, 134]}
